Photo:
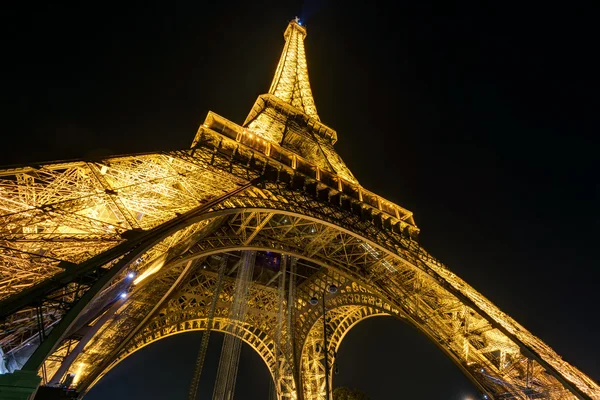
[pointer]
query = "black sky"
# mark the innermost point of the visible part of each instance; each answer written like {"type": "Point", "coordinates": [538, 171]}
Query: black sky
{"type": "Point", "coordinates": [482, 120]}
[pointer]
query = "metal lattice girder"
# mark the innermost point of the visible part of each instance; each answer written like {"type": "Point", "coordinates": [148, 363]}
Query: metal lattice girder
{"type": "Point", "coordinates": [71, 231]}
{"type": "Point", "coordinates": [188, 310]}
{"type": "Point", "coordinates": [440, 313]}
{"type": "Point", "coordinates": [58, 294]}
{"type": "Point", "coordinates": [436, 307]}
{"type": "Point", "coordinates": [230, 354]}
{"type": "Point", "coordinates": [410, 293]}
{"type": "Point", "coordinates": [291, 82]}
{"type": "Point", "coordinates": [61, 214]}
{"type": "Point", "coordinates": [287, 114]}
{"type": "Point", "coordinates": [279, 348]}
{"type": "Point", "coordinates": [206, 335]}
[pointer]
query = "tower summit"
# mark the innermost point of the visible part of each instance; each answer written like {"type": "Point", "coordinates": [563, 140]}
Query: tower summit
{"type": "Point", "coordinates": [290, 83]}
{"type": "Point", "coordinates": [287, 115]}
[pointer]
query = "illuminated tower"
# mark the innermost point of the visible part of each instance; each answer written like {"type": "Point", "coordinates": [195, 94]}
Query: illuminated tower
{"type": "Point", "coordinates": [254, 231]}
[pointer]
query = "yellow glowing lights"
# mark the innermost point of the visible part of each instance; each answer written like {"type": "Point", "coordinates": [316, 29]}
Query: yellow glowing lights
{"type": "Point", "coordinates": [153, 268]}
{"type": "Point", "coordinates": [78, 372]}
{"type": "Point", "coordinates": [73, 211]}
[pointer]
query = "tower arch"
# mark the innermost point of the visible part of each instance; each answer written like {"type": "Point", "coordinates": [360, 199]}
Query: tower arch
{"type": "Point", "coordinates": [72, 232]}
{"type": "Point", "coordinates": [252, 338]}
{"type": "Point", "coordinates": [352, 261]}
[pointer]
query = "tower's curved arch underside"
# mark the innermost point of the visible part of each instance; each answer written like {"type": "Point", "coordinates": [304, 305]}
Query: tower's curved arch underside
{"type": "Point", "coordinates": [70, 232]}
{"type": "Point", "coordinates": [380, 274]}
{"type": "Point", "coordinates": [244, 332]}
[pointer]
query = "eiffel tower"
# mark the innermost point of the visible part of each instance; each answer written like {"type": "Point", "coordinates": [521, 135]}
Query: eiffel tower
{"type": "Point", "coordinates": [259, 231]}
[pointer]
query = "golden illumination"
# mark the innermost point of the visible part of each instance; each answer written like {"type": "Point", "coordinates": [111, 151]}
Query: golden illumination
{"type": "Point", "coordinates": [273, 184]}
{"type": "Point", "coordinates": [152, 269]}
{"type": "Point", "coordinates": [78, 372]}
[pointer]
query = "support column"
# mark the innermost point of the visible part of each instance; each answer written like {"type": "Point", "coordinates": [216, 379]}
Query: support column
{"type": "Point", "coordinates": [230, 353]}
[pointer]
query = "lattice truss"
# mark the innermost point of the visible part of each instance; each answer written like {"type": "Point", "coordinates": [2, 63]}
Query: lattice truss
{"type": "Point", "coordinates": [56, 216]}
{"type": "Point", "coordinates": [287, 114]}
{"type": "Point", "coordinates": [186, 310]}
{"type": "Point", "coordinates": [274, 121]}
{"type": "Point", "coordinates": [291, 83]}
{"type": "Point", "coordinates": [371, 280]}
{"type": "Point", "coordinates": [278, 218]}
{"type": "Point", "coordinates": [70, 212]}
{"type": "Point", "coordinates": [72, 233]}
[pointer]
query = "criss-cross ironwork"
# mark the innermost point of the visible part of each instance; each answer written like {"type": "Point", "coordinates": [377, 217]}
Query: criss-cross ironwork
{"type": "Point", "coordinates": [100, 258]}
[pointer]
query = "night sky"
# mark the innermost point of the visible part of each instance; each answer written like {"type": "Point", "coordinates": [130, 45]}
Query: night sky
{"type": "Point", "coordinates": [482, 121]}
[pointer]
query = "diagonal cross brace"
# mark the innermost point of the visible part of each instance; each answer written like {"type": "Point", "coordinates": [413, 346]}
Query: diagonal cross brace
{"type": "Point", "coordinates": [130, 250]}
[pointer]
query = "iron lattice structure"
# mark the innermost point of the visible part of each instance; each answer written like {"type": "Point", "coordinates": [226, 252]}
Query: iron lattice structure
{"type": "Point", "coordinates": [72, 234]}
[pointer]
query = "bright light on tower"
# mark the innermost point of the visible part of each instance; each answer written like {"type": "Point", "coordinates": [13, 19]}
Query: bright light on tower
{"type": "Point", "coordinates": [77, 374]}
{"type": "Point", "coordinates": [123, 295]}
{"type": "Point", "coordinates": [130, 275]}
